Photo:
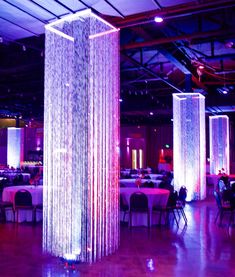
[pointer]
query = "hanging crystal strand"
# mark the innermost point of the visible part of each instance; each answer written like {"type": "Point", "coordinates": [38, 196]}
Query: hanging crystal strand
{"type": "Point", "coordinates": [81, 137]}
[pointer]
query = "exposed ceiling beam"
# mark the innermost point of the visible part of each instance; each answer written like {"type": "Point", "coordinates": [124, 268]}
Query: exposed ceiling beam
{"type": "Point", "coordinates": [113, 7]}
{"type": "Point", "coordinates": [64, 6]}
{"type": "Point", "coordinates": [175, 56]}
{"type": "Point", "coordinates": [187, 9]}
{"type": "Point", "coordinates": [19, 26]}
{"type": "Point", "coordinates": [188, 37]}
{"type": "Point", "coordinates": [151, 72]}
{"type": "Point", "coordinates": [43, 8]}
{"type": "Point", "coordinates": [157, 4]}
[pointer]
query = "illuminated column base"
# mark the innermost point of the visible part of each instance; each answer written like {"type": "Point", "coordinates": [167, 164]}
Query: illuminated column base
{"type": "Point", "coordinates": [15, 146]}
{"type": "Point", "coordinates": [189, 144]}
{"type": "Point", "coordinates": [219, 144]}
{"type": "Point", "coordinates": [81, 138]}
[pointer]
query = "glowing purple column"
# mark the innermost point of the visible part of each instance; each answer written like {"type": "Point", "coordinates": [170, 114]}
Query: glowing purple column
{"type": "Point", "coordinates": [219, 144]}
{"type": "Point", "coordinates": [81, 138]}
{"type": "Point", "coordinates": [189, 144]}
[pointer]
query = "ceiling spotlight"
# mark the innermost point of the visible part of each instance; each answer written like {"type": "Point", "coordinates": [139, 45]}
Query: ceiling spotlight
{"type": "Point", "coordinates": [158, 19]}
{"type": "Point", "coordinates": [224, 91]}
{"type": "Point", "coordinates": [151, 113]}
{"type": "Point", "coordinates": [229, 44]}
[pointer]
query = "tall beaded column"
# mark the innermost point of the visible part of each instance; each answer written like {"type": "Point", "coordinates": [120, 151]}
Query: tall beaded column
{"type": "Point", "coordinates": [219, 144]}
{"type": "Point", "coordinates": [15, 146]}
{"type": "Point", "coordinates": [81, 137]}
{"type": "Point", "coordinates": [189, 144]}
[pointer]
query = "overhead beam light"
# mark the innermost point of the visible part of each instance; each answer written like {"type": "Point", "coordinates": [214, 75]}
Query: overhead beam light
{"type": "Point", "coordinates": [158, 19]}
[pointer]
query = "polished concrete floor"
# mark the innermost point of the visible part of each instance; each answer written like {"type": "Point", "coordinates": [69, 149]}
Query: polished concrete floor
{"type": "Point", "coordinates": [200, 249]}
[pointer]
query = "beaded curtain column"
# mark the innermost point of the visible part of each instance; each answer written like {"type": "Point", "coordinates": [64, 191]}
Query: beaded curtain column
{"type": "Point", "coordinates": [15, 146]}
{"type": "Point", "coordinates": [189, 144]}
{"type": "Point", "coordinates": [219, 144]}
{"type": "Point", "coordinates": [81, 137]}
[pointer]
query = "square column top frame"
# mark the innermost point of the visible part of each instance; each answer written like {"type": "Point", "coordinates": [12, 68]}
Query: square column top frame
{"type": "Point", "coordinates": [211, 117]}
{"type": "Point", "coordinates": [81, 15]}
{"type": "Point", "coordinates": [186, 95]}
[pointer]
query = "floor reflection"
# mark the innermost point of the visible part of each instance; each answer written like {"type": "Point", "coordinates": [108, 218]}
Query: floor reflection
{"type": "Point", "coordinates": [199, 249]}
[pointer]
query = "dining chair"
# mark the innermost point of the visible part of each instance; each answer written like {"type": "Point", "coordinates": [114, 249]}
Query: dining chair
{"type": "Point", "coordinates": [23, 201]}
{"type": "Point", "coordinates": [4, 205]}
{"type": "Point", "coordinates": [223, 208]}
{"type": "Point", "coordinates": [174, 206]}
{"type": "Point", "coordinates": [139, 204]}
{"type": "Point", "coordinates": [123, 207]}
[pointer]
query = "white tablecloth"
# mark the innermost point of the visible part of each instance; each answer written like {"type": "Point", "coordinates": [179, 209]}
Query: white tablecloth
{"type": "Point", "coordinates": [131, 183]}
{"type": "Point", "coordinates": [155, 197]}
{"type": "Point", "coordinates": [213, 179]}
{"type": "Point", "coordinates": [8, 195]}
{"type": "Point", "coordinates": [155, 176]}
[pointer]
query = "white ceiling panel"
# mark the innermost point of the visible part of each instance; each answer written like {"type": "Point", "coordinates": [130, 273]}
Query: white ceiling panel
{"type": "Point", "coordinates": [52, 6]}
{"type": "Point", "coordinates": [168, 3]}
{"type": "Point", "coordinates": [16, 17]}
{"type": "Point", "coordinates": [128, 7]}
{"type": "Point", "coordinates": [75, 5]}
{"type": "Point", "coordinates": [33, 9]}
{"type": "Point", "coordinates": [104, 8]}
{"type": "Point", "coordinates": [12, 32]}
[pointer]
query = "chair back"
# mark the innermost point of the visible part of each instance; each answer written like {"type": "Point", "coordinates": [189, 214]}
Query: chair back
{"type": "Point", "coordinates": [218, 199]}
{"type": "Point", "coordinates": [138, 202]}
{"type": "Point", "coordinates": [23, 198]}
{"type": "Point", "coordinates": [123, 205]}
{"type": "Point", "coordinates": [227, 195]}
{"type": "Point", "coordinates": [172, 200]}
{"type": "Point", "coordinates": [148, 185]}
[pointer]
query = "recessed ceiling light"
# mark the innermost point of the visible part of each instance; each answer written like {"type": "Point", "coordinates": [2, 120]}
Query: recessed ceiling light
{"type": "Point", "coordinates": [151, 113]}
{"type": "Point", "coordinates": [158, 19]}
{"type": "Point", "coordinates": [224, 91]}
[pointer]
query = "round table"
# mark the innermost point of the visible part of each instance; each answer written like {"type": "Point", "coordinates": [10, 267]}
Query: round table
{"type": "Point", "coordinates": [155, 196]}
{"type": "Point", "coordinates": [36, 192]}
{"type": "Point", "coordinates": [131, 183]}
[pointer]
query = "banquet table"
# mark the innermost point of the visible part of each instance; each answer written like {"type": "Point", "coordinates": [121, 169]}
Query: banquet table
{"type": "Point", "coordinates": [213, 179]}
{"type": "Point", "coordinates": [12, 175]}
{"type": "Point", "coordinates": [155, 196]}
{"type": "Point", "coordinates": [36, 192]}
{"type": "Point", "coordinates": [154, 176]}
{"type": "Point", "coordinates": [131, 183]}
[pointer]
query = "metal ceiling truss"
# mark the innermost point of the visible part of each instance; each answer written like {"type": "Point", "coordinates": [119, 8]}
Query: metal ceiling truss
{"type": "Point", "coordinates": [152, 73]}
